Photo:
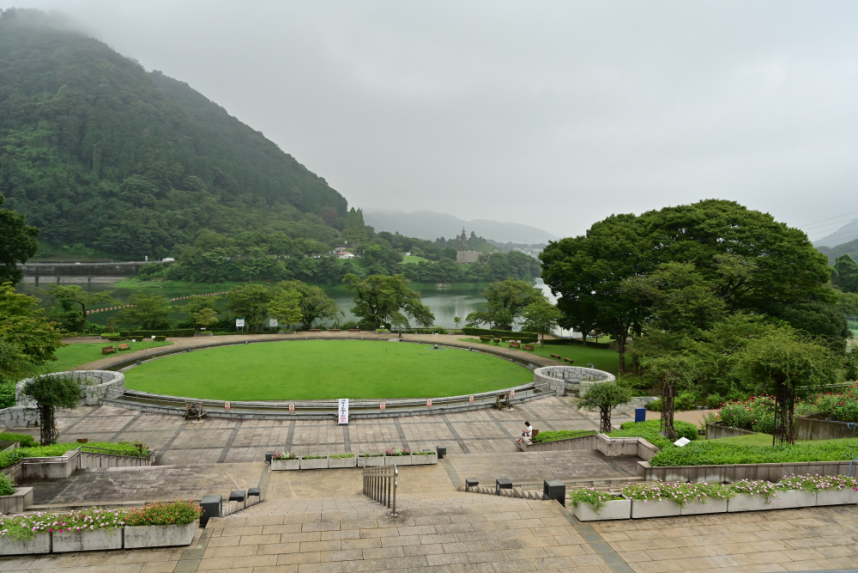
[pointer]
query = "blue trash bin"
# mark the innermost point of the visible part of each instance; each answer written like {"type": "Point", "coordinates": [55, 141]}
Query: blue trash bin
{"type": "Point", "coordinates": [640, 414]}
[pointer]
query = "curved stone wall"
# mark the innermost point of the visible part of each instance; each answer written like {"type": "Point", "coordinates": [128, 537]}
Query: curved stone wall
{"type": "Point", "coordinates": [556, 379]}
{"type": "Point", "coordinates": [96, 385]}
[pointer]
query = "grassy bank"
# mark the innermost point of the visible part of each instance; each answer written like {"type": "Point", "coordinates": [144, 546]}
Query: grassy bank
{"type": "Point", "coordinates": [75, 355]}
{"type": "Point", "coordinates": [601, 358]}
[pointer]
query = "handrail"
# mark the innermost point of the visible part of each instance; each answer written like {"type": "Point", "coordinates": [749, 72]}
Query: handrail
{"type": "Point", "coordinates": [380, 485]}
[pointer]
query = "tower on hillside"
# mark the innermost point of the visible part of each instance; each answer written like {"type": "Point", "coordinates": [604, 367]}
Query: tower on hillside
{"type": "Point", "coordinates": [462, 247]}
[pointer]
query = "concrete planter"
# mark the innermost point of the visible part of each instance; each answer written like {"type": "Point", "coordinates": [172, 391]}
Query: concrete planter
{"type": "Point", "coordinates": [700, 508]}
{"type": "Point", "coordinates": [846, 496]}
{"type": "Point", "coordinates": [320, 464]}
{"type": "Point", "coordinates": [141, 536]}
{"type": "Point", "coordinates": [39, 544]}
{"type": "Point", "coordinates": [342, 462]}
{"type": "Point", "coordinates": [284, 465]}
{"type": "Point", "coordinates": [795, 498]}
{"type": "Point", "coordinates": [427, 460]}
{"type": "Point", "coordinates": [100, 540]}
{"type": "Point", "coordinates": [644, 509]}
{"type": "Point", "coordinates": [398, 460]}
{"type": "Point", "coordinates": [373, 462]}
{"type": "Point", "coordinates": [745, 502]}
{"type": "Point", "coordinates": [17, 502]}
{"type": "Point", "coordinates": [616, 509]}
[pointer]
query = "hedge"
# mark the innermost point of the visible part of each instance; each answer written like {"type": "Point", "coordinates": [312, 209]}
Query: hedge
{"type": "Point", "coordinates": [576, 342]}
{"type": "Point", "coordinates": [118, 448]}
{"type": "Point", "coordinates": [175, 333]}
{"type": "Point", "coordinates": [649, 431]}
{"type": "Point", "coordinates": [500, 333]}
{"type": "Point", "coordinates": [711, 452]}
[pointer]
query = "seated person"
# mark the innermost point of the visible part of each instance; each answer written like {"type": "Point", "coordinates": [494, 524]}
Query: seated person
{"type": "Point", "coordinates": [528, 432]}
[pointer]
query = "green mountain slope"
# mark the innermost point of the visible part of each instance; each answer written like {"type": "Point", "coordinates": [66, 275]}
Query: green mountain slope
{"type": "Point", "coordinates": [107, 158]}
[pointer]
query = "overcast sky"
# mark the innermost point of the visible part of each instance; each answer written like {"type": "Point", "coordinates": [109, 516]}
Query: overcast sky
{"type": "Point", "coordinates": [552, 114]}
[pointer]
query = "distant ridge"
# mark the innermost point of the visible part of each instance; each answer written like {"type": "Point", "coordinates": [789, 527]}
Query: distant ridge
{"type": "Point", "coordinates": [431, 225]}
{"type": "Point", "coordinates": [845, 234]}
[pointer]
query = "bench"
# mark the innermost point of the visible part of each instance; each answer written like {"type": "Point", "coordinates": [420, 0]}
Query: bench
{"type": "Point", "coordinates": [528, 347]}
{"type": "Point", "coordinates": [514, 344]}
{"type": "Point", "coordinates": [333, 330]}
{"type": "Point", "coordinates": [124, 347]}
{"type": "Point", "coordinates": [502, 401]}
{"type": "Point", "coordinates": [354, 330]}
{"type": "Point", "coordinates": [569, 360]}
{"type": "Point", "coordinates": [315, 330]}
{"type": "Point", "coordinates": [107, 350]}
{"type": "Point", "coordinates": [557, 356]}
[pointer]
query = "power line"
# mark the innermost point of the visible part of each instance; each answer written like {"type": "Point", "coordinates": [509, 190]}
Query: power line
{"type": "Point", "coordinates": [817, 223]}
{"type": "Point", "coordinates": [816, 189]}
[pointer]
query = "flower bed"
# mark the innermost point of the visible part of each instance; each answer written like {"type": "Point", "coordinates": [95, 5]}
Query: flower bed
{"type": "Point", "coordinates": [706, 452]}
{"type": "Point", "coordinates": [97, 529]}
{"type": "Point", "coordinates": [666, 499]}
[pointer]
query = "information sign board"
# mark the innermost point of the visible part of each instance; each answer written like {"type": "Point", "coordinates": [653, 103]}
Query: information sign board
{"type": "Point", "coordinates": [343, 416]}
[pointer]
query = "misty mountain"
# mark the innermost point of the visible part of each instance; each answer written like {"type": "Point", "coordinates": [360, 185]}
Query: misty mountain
{"type": "Point", "coordinates": [105, 157]}
{"type": "Point", "coordinates": [844, 234]}
{"type": "Point", "coordinates": [430, 225]}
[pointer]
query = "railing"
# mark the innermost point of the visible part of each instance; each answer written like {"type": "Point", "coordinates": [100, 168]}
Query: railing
{"type": "Point", "coordinates": [380, 484]}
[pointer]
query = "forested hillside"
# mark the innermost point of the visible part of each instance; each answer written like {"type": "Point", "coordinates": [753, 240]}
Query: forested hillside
{"type": "Point", "coordinates": [107, 159]}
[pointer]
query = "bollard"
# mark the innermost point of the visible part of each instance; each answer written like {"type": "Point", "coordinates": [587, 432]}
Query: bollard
{"type": "Point", "coordinates": [471, 482]}
{"type": "Point", "coordinates": [502, 483]}
{"type": "Point", "coordinates": [212, 507]}
{"type": "Point", "coordinates": [442, 451]}
{"type": "Point", "coordinates": [554, 489]}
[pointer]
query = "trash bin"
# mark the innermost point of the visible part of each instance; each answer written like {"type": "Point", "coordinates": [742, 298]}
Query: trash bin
{"type": "Point", "coordinates": [640, 414]}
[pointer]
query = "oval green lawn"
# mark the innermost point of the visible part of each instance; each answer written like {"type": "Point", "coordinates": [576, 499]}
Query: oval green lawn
{"type": "Point", "coordinates": [325, 369]}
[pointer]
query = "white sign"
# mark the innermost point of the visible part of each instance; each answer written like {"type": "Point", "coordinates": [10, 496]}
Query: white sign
{"type": "Point", "coordinates": [470, 398]}
{"type": "Point", "coordinates": [343, 410]}
{"type": "Point", "coordinates": [382, 406]}
{"type": "Point", "coordinates": [512, 393]}
{"type": "Point", "coordinates": [682, 442]}
{"type": "Point", "coordinates": [272, 322]}
{"type": "Point", "coordinates": [239, 322]}
{"type": "Point", "coordinates": [291, 408]}
{"type": "Point", "coordinates": [226, 405]}
{"type": "Point", "coordinates": [429, 402]}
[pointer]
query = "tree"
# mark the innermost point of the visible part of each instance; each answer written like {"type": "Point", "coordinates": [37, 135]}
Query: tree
{"type": "Point", "coordinates": [75, 296]}
{"type": "Point", "coordinates": [314, 304]}
{"type": "Point", "coordinates": [457, 320]}
{"type": "Point", "coordinates": [27, 338]}
{"type": "Point", "coordinates": [147, 311]}
{"type": "Point", "coordinates": [51, 392]}
{"type": "Point", "coordinates": [782, 363]}
{"type": "Point", "coordinates": [356, 231]}
{"type": "Point", "coordinates": [540, 316]}
{"type": "Point", "coordinates": [505, 301]}
{"type": "Point", "coordinates": [250, 302]}
{"type": "Point", "coordinates": [17, 243]}
{"type": "Point", "coordinates": [844, 275]}
{"type": "Point", "coordinates": [605, 397]}
{"type": "Point", "coordinates": [387, 299]}
{"type": "Point", "coordinates": [202, 310]}
{"type": "Point", "coordinates": [285, 306]}
{"type": "Point", "coordinates": [673, 372]}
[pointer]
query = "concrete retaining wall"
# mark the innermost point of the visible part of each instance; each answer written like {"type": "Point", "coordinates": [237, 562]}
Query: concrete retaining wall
{"type": "Point", "coordinates": [96, 384]}
{"type": "Point", "coordinates": [61, 467]}
{"type": "Point", "coordinates": [17, 417]}
{"type": "Point", "coordinates": [610, 447]}
{"type": "Point", "coordinates": [738, 472]}
{"type": "Point", "coordinates": [716, 431]}
{"type": "Point", "coordinates": [807, 428]}
{"type": "Point", "coordinates": [98, 460]}
{"type": "Point", "coordinates": [556, 379]}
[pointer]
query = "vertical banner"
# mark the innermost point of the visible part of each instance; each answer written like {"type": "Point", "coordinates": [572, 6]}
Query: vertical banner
{"type": "Point", "coordinates": [382, 405]}
{"type": "Point", "coordinates": [470, 399]}
{"type": "Point", "coordinates": [291, 408]}
{"type": "Point", "coordinates": [226, 405]}
{"type": "Point", "coordinates": [428, 402]}
{"type": "Point", "coordinates": [343, 417]}
{"type": "Point", "coordinates": [512, 393]}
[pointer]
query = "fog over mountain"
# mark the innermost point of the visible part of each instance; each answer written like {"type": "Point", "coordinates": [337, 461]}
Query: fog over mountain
{"type": "Point", "coordinates": [430, 225]}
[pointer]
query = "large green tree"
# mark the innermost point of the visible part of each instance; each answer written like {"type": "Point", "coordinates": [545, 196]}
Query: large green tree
{"type": "Point", "coordinates": [75, 296]}
{"type": "Point", "coordinates": [250, 302]}
{"type": "Point", "coordinates": [202, 310]}
{"type": "Point", "coordinates": [17, 243]}
{"type": "Point", "coordinates": [540, 316]}
{"type": "Point", "coordinates": [146, 311]}
{"type": "Point", "coordinates": [505, 301]}
{"type": "Point", "coordinates": [844, 275]}
{"type": "Point", "coordinates": [381, 299]}
{"type": "Point", "coordinates": [314, 304]}
{"type": "Point", "coordinates": [28, 339]}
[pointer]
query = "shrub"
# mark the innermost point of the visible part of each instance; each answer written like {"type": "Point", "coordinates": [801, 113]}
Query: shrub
{"type": "Point", "coordinates": [24, 440]}
{"type": "Point", "coordinates": [369, 455]}
{"type": "Point", "coordinates": [542, 437]}
{"type": "Point", "coordinates": [575, 342]}
{"type": "Point", "coordinates": [485, 337]}
{"type": "Point", "coordinates": [498, 333]}
{"type": "Point", "coordinates": [595, 499]}
{"type": "Point", "coordinates": [714, 401]}
{"type": "Point", "coordinates": [7, 486]}
{"type": "Point", "coordinates": [712, 452]}
{"type": "Point", "coordinates": [314, 457]}
{"type": "Point", "coordinates": [679, 493]}
{"type": "Point", "coordinates": [654, 405]}
{"type": "Point", "coordinates": [284, 456]}
{"type": "Point", "coordinates": [340, 456]}
{"type": "Point", "coordinates": [397, 452]}
{"type": "Point", "coordinates": [422, 453]}
{"type": "Point", "coordinates": [686, 400]}
{"type": "Point", "coordinates": [748, 487]}
{"type": "Point", "coordinates": [7, 394]}
{"type": "Point", "coordinates": [165, 513]}
{"type": "Point", "coordinates": [816, 483]}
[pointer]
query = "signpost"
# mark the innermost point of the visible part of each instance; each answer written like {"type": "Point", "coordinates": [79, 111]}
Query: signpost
{"type": "Point", "coordinates": [343, 412]}
{"type": "Point", "coordinates": [239, 323]}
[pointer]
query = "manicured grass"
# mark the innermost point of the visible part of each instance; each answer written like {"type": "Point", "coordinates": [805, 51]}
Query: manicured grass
{"type": "Point", "coordinates": [413, 259]}
{"type": "Point", "coordinates": [74, 355]}
{"type": "Point", "coordinates": [717, 452]}
{"type": "Point", "coordinates": [601, 358]}
{"type": "Point", "coordinates": [325, 369]}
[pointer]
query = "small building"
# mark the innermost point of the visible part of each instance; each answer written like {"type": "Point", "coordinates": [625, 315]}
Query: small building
{"type": "Point", "coordinates": [345, 255]}
{"type": "Point", "coordinates": [468, 257]}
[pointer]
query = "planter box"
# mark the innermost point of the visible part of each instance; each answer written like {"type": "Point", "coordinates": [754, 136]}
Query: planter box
{"type": "Point", "coordinates": [321, 464]}
{"type": "Point", "coordinates": [846, 496]}
{"type": "Point", "coordinates": [283, 465]}
{"type": "Point", "coordinates": [616, 509]}
{"type": "Point", "coordinates": [699, 508]}
{"type": "Point", "coordinates": [140, 536]}
{"type": "Point", "coordinates": [745, 502]}
{"type": "Point", "coordinates": [795, 498]}
{"type": "Point", "coordinates": [643, 509]}
{"type": "Point", "coordinates": [397, 460]}
{"type": "Point", "coordinates": [342, 462]}
{"type": "Point", "coordinates": [100, 540]}
{"type": "Point", "coordinates": [374, 462]}
{"type": "Point", "coordinates": [427, 460]}
{"type": "Point", "coordinates": [17, 502]}
{"type": "Point", "coordinates": [39, 544]}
